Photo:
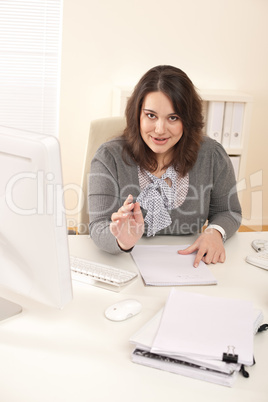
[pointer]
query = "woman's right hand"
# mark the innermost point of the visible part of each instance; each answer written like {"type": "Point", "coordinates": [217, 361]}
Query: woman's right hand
{"type": "Point", "coordinates": [127, 224]}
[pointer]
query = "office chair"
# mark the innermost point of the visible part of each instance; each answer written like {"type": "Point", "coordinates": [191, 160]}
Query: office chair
{"type": "Point", "coordinates": [100, 131]}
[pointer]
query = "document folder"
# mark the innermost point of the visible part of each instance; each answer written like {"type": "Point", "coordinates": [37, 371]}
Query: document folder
{"type": "Point", "coordinates": [237, 125]}
{"type": "Point", "coordinates": [206, 327]}
{"type": "Point", "coordinates": [215, 120]}
{"type": "Point", "coordinates": [224, 370]}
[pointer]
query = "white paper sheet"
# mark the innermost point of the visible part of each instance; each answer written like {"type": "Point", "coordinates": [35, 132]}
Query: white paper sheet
{"type": "Point", "coordinates": [206, 327]}
{"type": "Point", "coordinates": [163, 266]}
{"type": "Point", "coordinates": [144, 339]}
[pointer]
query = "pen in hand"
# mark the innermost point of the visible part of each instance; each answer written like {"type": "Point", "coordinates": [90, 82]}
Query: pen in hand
{"type": "Point", "coordinates": [127, 224]}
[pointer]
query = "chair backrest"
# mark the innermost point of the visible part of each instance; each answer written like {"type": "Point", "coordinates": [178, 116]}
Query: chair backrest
{"type": "Point", "coordinates": [100, 131]}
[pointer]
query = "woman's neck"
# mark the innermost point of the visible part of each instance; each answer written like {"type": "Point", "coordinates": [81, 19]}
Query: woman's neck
{"type": "Point", "coordinates": [160, 171]}
{"type": "Point", "coordinates": [162, 162]}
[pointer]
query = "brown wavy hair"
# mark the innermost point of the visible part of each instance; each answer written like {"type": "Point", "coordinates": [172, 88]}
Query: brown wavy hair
{"type": "Point", "coordinates": [177, 86]}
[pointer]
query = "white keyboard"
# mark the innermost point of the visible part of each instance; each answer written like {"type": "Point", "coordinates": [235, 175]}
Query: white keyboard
{"type": "Point", "coordinates": [259, 259]}
{"type": "Point", "coordinates": [94, 273]}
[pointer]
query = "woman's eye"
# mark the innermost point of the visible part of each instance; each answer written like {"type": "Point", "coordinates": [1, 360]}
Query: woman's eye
{"type": "Point", "coordinates": [151, 116]}
{"type": "Point", "coordinates": [173, 118]}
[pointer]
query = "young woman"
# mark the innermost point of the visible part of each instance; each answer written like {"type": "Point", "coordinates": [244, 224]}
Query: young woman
{"type": "Point", "coordinates": [162, 176]}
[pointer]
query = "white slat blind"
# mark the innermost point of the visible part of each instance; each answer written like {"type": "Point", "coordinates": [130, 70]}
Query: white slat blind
{"type": "Point", "coordinates": [30, 48]}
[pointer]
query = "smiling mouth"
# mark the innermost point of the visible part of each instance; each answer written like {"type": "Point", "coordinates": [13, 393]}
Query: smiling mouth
{"type": "Point", "coordinates": [159, 140]}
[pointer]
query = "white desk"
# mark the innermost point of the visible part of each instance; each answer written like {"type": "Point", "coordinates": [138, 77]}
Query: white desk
{"type": "Point", "coordinates": [78, 355]}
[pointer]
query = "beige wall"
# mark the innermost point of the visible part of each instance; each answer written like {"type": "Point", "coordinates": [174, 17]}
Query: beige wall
{"type": "Point", "coordinates": [220, 44]}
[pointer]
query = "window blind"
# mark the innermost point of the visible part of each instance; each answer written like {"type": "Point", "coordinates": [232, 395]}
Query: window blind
{"type": "Point", "coordinates": [30, 48]}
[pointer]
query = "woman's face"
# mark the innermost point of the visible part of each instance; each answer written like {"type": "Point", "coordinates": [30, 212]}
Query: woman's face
{"type": "Point", "coordinates": [160, 127]}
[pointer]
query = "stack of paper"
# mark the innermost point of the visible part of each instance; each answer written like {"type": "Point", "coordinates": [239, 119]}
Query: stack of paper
{"type": "Point", "coordinates": [163, 266]}
{"type": "Point", "coordinates": [198, 336]}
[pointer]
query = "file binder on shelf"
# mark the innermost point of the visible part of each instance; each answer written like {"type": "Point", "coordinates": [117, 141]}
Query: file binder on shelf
{"type": "Point", "coordinates": [235, 162]}
{"type": "Point", "coordinates": [215, 120]}
{"type": "Point", "coordinates": [237, 125]}
{"type": "Point", "coordinates": [227, 124]}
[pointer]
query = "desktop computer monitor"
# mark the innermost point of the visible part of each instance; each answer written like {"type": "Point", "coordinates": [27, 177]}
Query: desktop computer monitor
{"type": "Point", "coordinates": [34, 255]}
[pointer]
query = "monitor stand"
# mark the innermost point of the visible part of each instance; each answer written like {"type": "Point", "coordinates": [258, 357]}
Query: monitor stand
{"type": "Point", "coordinates": [8, 309]}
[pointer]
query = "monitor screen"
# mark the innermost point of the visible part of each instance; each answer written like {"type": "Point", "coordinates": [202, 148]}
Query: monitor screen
{"type": "Point", "coordinates": [34, 256]}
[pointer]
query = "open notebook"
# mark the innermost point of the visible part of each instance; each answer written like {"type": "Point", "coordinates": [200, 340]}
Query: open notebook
{"type": "Point", "coordinates": [163, 266]}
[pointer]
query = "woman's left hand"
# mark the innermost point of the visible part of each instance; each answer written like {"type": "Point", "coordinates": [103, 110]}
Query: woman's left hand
{"type": "Point", "coordinates": [209, 247]}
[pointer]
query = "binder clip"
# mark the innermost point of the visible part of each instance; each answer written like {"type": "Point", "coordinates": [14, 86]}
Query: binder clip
{"type": "Point", "coordinates": [263, 327]}
{"type": "Point", "coordinates": [244, 372]}
{"type": "Point", "coordinates": [230, 356]}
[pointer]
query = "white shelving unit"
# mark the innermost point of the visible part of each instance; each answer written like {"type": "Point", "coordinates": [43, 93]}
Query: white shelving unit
{"type": "Point", "coordinates": [238, 154]}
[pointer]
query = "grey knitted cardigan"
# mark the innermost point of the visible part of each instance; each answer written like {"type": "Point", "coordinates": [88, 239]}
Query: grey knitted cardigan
{"type": "Point", "coordinates": [211, 195]}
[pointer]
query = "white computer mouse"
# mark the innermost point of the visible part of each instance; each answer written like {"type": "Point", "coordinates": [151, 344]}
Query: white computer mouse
{"type": "Point", "coordinates": [123, 310]}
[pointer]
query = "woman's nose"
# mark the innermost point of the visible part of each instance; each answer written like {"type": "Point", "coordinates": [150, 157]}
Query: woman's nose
{"type": "Point", "coordinates": [160, 126]}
